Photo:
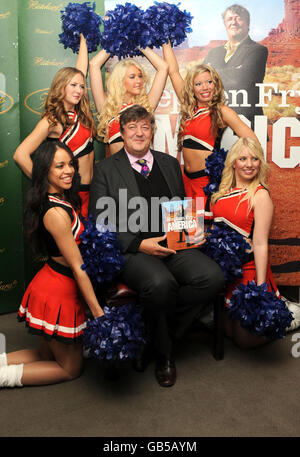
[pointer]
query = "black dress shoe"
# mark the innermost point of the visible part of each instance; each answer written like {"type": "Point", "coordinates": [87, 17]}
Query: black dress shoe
{"type": "Point", "coordinates": [143, 358]}
{"type": "Point", "coordinates": [165, 371]}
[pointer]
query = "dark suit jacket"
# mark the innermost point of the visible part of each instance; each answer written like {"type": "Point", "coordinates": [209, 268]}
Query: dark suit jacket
{"type": "Point", "coordinates": [115, 173]}
{"type": "Point", "coordinates": [246, 67]}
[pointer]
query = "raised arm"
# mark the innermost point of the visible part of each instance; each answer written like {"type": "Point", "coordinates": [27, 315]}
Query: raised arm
{"type": "Point", "coordinates": [22, 155]}
{"type": "Point", "coordinates": [176, 78]}
{"type": "Point", "coordinates": [58, 223]}
{"type": "Point", "coordinates": [263, 214]}
{"type": "Point", "coordinates": [160, 78]}
{"type": "Point", "coordinates": [95, 65]}
{"type": "Point", "coordinates": [239, 127]}
{"type": "Point", "coordinates": [83, 56]}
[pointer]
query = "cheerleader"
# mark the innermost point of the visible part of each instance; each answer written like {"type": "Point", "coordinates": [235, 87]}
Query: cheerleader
{"type": "Point", "coordinates": [203, 112]}
{"type": "Point", "coordinates": [52, 306]}
{"type": "Point", "coordinates": [126, 86]}
{"type": "Point", "coordinates": [67, 117]}
{"type": "Point", "coordinates": [243, 204]}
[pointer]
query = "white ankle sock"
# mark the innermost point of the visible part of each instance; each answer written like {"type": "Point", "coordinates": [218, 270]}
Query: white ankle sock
{"type": "Point", "coordinates": [3, 360]}
{"type": "Point", "coordinates": [11, 375]}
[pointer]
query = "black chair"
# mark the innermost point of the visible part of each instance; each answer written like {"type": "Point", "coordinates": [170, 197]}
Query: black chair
{"type": "Point", "coordinates": [119, 294]}
{"type": "Point", "coordinates": [218, 329]}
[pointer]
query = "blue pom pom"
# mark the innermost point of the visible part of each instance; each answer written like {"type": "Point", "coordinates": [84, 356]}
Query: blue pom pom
{"type": "Point", "coordinates": [115, 336]}
{"type": "Point", "coordinates": [167, 22]}
{"type": "Point", "coordinates": [80, 18]}
{"type": "Point", "coordinates": [124, 31]}
{"type": "Point", "coordinates": [260, 311]}
{"type": "Point", "coordinates": [101, 252]}
{"type": "Point", "coordinates": [214, 168]}
{"type": "Point", "coordinates": [228, 248]}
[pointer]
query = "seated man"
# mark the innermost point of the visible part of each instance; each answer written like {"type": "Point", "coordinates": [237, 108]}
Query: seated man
{"type": "Point", "coordinates": [173, 288]}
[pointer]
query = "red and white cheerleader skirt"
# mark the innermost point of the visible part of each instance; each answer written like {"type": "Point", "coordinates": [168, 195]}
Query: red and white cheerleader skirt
{"type": "Point", "coordinates": [51, 305]}
{"type": "Point", "coordinates": [193, 186]}
{"type": "Point", "coordinates": [84, 194]}
{"type": "Point", "coordinates": [249, 274]}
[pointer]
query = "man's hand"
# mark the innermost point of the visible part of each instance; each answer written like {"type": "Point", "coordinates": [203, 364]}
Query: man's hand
{"type": "Point", "coordinates": [151, 246]}
{"type": "Point", "coordinates": [198, 237]}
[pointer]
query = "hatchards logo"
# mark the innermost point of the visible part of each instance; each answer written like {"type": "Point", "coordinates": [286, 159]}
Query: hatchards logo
{"type": "Point", "coordinates": [50, 6]}
{"type": "Point", "coordinates": [7, 287]}
{"type": "Point", "coordinates": [35, 101]}
{"type": "Point", "coordinates": [4, 163]}
{"type": "Point", "coordinates": [5, 15]}
{"type": "Point", "coordinates": [6, 102]}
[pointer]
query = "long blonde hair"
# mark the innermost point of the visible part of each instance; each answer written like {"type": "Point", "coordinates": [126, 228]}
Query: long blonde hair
{"type": "Point", "coordinates": [189, 101]}
{"type": "Point", "coordinates": [54, 105]}
{"type": "Point", "coordinates": [116, 93]}
{"type": "Point", "coordinates": [228, 180]}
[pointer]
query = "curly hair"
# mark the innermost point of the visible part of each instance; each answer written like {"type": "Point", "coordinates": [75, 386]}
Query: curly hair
{"type": "Point", "coordinates": [54, 106]}
{"type": "Point", "coordinates": [228, 176]}
{"type": "Point", "coordinates": [38, 193]}
{"type": "Point", "coordinates": [189, 101]}
{"type": "Point", "coordinates": [116, 93]}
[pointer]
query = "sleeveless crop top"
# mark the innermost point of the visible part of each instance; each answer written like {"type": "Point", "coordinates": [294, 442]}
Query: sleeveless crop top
{"type": "Point", "coordinates": [77, 226]}
{"type": "Point", "coordinates": [77, 137]}
{"type": "Point", "coordinates": [197, 131]}
{"type": "Point", "coordinates": [114, 135]}
{"type": "Point", "coordinates": [230, 211]}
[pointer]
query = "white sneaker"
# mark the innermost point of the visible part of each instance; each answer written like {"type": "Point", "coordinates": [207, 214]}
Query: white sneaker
{"type": "Point", "coordinates": [294, 308]}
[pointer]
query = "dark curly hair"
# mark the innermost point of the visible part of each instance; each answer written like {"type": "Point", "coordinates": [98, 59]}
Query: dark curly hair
{"type": "Point", "coordinates": [38, 193]}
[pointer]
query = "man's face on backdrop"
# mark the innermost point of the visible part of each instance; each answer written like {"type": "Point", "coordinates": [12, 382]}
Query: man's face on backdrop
{"type": "Point", "coordinates": [236, 27]}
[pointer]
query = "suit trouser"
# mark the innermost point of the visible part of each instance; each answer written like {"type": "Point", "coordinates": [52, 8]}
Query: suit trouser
{"type": "Point", "coordinates": [173, 291]}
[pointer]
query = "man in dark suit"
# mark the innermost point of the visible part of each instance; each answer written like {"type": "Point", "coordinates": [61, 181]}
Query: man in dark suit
{"type": "Point", "coordinates": [241, 62]}
{"type": "Point", "coordinates": [173, 288]}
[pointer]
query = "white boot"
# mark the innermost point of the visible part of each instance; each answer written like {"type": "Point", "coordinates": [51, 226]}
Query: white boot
{"type": "Point", "coordinates": [3, 360]}
{"type": "Point", "coordinates": [11, 375]}
{"type": "Point", "coordinates": [294, 308]}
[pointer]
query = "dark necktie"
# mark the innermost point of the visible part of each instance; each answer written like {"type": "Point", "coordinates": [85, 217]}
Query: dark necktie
{"type": "Point", "coordinates": [145, 171]}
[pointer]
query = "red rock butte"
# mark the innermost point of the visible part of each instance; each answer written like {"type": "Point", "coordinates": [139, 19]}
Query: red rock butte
{"type": "Point", "coordinates": [283, 42]}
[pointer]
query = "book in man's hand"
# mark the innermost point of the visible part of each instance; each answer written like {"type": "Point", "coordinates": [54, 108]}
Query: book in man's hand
{"type": "Point", "coordinates": [183, 222]}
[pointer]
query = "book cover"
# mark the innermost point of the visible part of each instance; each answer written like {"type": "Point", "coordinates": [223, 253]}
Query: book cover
{"type": "Point", "coordinates": [183, 222]}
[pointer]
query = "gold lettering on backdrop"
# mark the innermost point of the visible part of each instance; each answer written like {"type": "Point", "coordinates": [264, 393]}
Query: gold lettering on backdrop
{"type": "Point", "coordinates": [2, 200]}
{"type": "Point", "coordinates": [6, 102]}
{"type": "Point", "coordinates": [40, 258]}
{"type": "Point", "coordinates": [35, 101]}
{"type": "Point", "coordinates": [4, 164]}
{"type": "Point", "coordinates": [9, 286]}
{"type": "Point", "coordinates": [46, 62]}
{"type": "Point", "coordinates": [5, 15]}
{"type": "Point", "coordinates": [50, 6]}
{"type": "Point", "coordinates": [44, 32]}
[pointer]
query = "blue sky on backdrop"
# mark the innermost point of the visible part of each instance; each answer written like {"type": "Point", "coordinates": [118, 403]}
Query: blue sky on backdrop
{"type": "Point", "coordinates": [207, 23]}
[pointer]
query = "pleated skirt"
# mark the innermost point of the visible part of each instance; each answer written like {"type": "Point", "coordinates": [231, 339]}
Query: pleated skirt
{"type": "Point", "coordinates": [249, 274]}
{"type": "Point", "coordinates": [51, 305]}
{"type": "Point", "coordinates": [193, 186]}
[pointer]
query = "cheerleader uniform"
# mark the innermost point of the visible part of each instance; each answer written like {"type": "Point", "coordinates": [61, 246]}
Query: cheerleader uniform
{"type": "Point", "coordinates": [51, 305]}
{"type": "Point", "coordinates": [197, 135]}
{"type": "Point", "coordinates": [80, 141]}
{"type": "Point", "coordinates": [114, 135]}
{"type": "Point", "coordinates": [231, 211]}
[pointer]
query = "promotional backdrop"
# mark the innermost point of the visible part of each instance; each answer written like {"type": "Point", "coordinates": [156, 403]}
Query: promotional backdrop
{"type": "Point", "coordinates": [31, 55]}
{"type": "Point", "coordinates": [274, 24]}
{"type": "Point", "coordinates": [29, 58]}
